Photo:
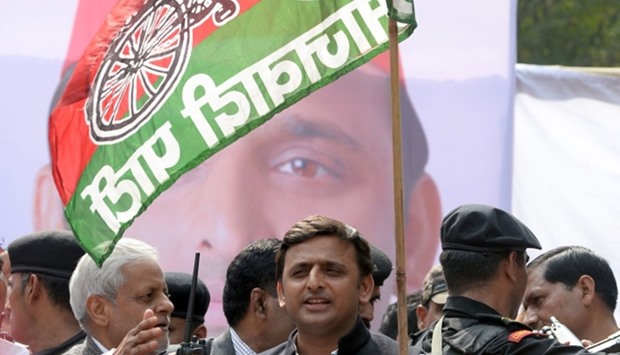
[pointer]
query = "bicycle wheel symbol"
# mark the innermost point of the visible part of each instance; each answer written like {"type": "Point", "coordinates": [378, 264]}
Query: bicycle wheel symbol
{"type": "Point", "coordinates": [141, 67]}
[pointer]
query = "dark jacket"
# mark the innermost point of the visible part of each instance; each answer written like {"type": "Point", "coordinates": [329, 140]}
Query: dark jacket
{"type": "Point", "coordinates": [471, 327]}
{"type": "Point", "coordinates": [358, 342]}
{"type": "Point", "coordinates": [221, 345]}
{"type": "Point", "coordinates": [64, 347]}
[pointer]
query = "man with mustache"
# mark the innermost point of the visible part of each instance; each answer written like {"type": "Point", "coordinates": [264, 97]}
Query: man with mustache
{"type": "Point", "coordinates": [576, 286]}
{"type": "Point", "coordinates": [484, 265]}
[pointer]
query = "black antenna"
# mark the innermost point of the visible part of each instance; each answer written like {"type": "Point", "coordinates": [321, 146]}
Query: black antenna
{"type": "Point", "coordinates": [190, 306]}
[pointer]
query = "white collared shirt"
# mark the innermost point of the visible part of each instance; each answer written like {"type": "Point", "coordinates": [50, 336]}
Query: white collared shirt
{"type": "Point", "coordinates": [335, 352]}
{"type": "Point", "coordinates": [241, 348]}
{"type": "Point", "coordinates": [104, 351]}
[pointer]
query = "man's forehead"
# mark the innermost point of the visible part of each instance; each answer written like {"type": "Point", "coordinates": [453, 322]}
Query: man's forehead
{"type": "Point", "coordinates": [145, 270]}
{"type": "Point", "coordinates": [536, 273]}
{"type": "Point", "coordinates": [332, 250]}
{"type": "Point", "coordinates": [537, 286]}
{"type": "Point", "coordinates": [535, 278]}
{"type": "Point", "coordinates": [137, 285]}
{"type": "Point", "coordinates": [300, 126]}
{"type": "Point", "coordinates": [332, 116]}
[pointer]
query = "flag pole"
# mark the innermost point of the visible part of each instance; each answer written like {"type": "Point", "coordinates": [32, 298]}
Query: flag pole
{"type": "Point", "coordinates": [401, 277]}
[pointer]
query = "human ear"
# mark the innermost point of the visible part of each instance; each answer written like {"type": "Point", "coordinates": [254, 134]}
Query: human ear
{"type": "Point", "coordinates": [32, 288]}
{"type": "Point", "coordinates": [421, 313]}
{"type": "Point", "coordinates": [513, 264]}
{"type": "Point", "coordinates": [366, 287]}
{"type": "Point", "coordinates": [36, 290]}
{"type": "Point", "coordinates": [257, 302]}
{"type": "Point", "coordinates": [422, 225]}
{"type": "Point", "coordinates": [281, 300]}
{"type": "Point", "coordinates": [587, 286]}
{"type": "Point", "coordinates": [201, 331]}
{"type": "Point", "coordinates": [97, 308]}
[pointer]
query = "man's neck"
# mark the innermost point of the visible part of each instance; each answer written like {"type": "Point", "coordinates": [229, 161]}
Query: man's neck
{"type": "Point", "coordinates": [99, 345]}
{"type": "Point", "coordinates": [600, 329]}
{"type": "Point", "coordinates": [495, 297]}
{"type": "Point", "coordinates": [253, 335]}
{"type": "Point", "coordinates": [54, 330]}
{"type": "Point", "coordinates": [102, 337]}
{"type": "Point", "coordinates": [311, 341]}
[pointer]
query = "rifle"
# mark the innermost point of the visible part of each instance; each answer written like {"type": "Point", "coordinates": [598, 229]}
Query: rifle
{"type": "Point", "coordinates": [611, 344]}
{"type": "Point", "coordinates": [560, 332]}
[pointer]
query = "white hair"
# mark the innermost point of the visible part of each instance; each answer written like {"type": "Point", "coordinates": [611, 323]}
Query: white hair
{"type": "Point", "coordinates": [89, 279]}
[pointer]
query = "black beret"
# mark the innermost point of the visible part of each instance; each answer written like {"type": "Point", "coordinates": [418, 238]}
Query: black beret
{"type": "Point", "coordinates": [383, 265]}
{"type": "Point", "coordinates": [485, 229]}
{"type": "Point", "coordinates": [179, 285]}
{"type": "Point", "coordinates": [54, 253]}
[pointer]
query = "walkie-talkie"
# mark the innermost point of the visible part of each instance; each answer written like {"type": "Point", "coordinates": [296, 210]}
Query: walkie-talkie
{"type": "Point", "coordinates": [192, 345]}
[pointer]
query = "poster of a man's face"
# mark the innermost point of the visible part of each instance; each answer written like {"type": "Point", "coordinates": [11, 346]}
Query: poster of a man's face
{"type": "Point", "coordinates": [329, 154]}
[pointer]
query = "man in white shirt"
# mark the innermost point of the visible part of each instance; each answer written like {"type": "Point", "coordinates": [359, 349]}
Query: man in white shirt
{"type": "Point", "coordinates": [256, 320]}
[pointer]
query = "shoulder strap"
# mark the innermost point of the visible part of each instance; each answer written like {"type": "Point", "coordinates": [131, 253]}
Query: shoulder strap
{"type": "Point", "coordinates": [437, 338]}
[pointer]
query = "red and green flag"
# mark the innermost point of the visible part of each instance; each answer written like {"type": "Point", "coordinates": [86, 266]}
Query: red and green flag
{"type": "Point", "coordinates": [164, 85]}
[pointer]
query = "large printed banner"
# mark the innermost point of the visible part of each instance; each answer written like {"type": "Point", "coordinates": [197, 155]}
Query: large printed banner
{"type": "Point", "coordinates": [164, 85]}
{"type": "Point", "coordinates": [329, 153]}
{"type": "Point", "coordinates": [567, 157]}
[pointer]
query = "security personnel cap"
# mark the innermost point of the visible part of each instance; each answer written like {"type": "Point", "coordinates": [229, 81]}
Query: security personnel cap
{"type": "Point", "coordinates": [383, 265]}
{"type": "Point", "coordinates": [54, 253]}
{"type": "Point", "coordinates": [179, 287]}
{"type": "Point", "coordinates": [435, 288]}
{"type": "Point", "coordinates": [484, 228]}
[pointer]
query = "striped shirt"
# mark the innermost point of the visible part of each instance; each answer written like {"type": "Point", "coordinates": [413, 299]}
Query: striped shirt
{"type": "Point", "coordinates": [240, 347]}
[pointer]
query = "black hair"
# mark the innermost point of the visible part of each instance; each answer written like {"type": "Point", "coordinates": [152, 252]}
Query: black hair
{"type": "Point", "coordinates": [465, 270]}
{"type": "Point", "coordinates": [253, 267]}
{"type": "Point", "coordinates": [318, 226]}
{"type": "Point", "coordinates": [389, 322]}
{"type": "Point", "coordinates": [567, 264]}
{"type": "Point", "coordinates": [56, 288]}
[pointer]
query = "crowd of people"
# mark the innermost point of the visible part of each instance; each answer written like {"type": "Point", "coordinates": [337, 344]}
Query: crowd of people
{"type": "Point", "coordinates": [312, 292]}
{"type": "Point", "coordinates": [315, 288]}
{"type": "Point", "coordinates": [315, 153]}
